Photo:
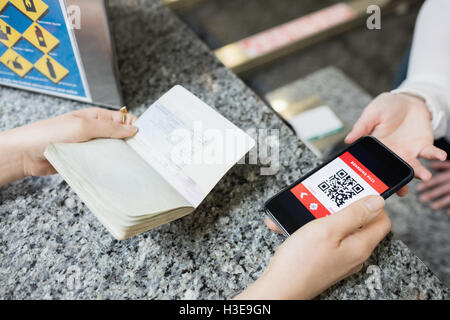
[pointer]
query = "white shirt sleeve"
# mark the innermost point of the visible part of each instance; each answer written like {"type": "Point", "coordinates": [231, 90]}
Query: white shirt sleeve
{"type": "Point", "coordinates": [429, 65]}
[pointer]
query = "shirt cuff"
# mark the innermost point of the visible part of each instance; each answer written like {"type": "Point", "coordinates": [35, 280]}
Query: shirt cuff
{"type": "Point", "coordinates": [435, 104]}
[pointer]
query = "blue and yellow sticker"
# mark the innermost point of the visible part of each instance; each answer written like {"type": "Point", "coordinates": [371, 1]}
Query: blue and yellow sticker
{"type": "Point", "coordinates": [38, 50]}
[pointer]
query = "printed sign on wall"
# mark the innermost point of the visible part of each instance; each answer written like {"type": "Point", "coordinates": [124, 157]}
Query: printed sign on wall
{"type": "Point", "coordinates": [38, 50]}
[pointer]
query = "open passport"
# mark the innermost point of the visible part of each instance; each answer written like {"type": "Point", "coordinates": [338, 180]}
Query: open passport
{"type": "Point", "coordinates": [182, 149]}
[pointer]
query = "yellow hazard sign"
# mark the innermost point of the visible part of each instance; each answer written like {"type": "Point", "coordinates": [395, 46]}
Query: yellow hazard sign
{"type": "Point", "coordinates": [33, 9]}
{"type": "Point", "coordinates": [2, 4]}
{"type": "Point", "coordinates": [51, 68]}
{"type": "Point", "coordinates": [8, 35]}
{"type": "Point", "coordinates": [40, 38]}
{"type": "Point", "coordinates": [16, 62]}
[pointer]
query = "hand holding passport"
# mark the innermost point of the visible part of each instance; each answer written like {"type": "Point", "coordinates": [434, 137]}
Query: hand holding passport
{"type": "Point", "coordinates": [164, 172]}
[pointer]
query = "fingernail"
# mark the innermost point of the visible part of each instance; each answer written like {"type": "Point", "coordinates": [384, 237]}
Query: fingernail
{"type": "Point", "coordinates": [426, 176]}
{"type": "Point", "coordinates": [129, 127]}
{"type": "Point", "coordinates": [375, 203]}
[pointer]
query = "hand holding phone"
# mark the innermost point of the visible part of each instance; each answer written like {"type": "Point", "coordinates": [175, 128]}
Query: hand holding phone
{"type": "Point", "coordinates": [402, 122]}
{"type": "Point", "coordinates": [323, 252]}
{"type": "Point", "coordinates": [366, 167]}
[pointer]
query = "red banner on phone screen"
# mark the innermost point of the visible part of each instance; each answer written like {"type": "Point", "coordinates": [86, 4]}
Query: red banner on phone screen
{"type": "Point", "coordinates": [363, 172]}
{"type": "Point", "coordinates": [309, 201]}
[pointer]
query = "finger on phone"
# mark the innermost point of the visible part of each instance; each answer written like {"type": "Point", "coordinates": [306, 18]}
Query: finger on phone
{"type": "Point", "coordinates": [361, 128]}
{"type": "Point", "coordinates": [356, 215]}
{"type": "Point", "coordinates": [272, 225]}
{"type": "Point", "coordinates": [364, 126]}
{"type": "Point", "coordinates": [370, 235]}
{"type": "Point", "coordinates": [403, 191]}
{"type": "Point", "coordinates": [421, 172]}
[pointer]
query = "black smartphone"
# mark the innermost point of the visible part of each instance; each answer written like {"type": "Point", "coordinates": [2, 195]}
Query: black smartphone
{"type": "Point", "coordinates": [366, 167]}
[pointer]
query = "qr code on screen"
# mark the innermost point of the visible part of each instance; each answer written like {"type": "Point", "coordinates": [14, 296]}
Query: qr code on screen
{"type": "Point", "coordinates": [340, 187]}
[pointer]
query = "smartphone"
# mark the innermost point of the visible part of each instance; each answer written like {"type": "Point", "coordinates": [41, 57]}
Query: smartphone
{"type": "Point", "coordinates": [366, 167]}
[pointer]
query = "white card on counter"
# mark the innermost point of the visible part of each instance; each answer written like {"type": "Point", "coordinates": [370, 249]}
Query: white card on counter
{"type": "Point", "coordinates": [316, 123]}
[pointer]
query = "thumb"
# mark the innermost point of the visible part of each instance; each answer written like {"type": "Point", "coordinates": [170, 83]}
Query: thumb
{"type": "Point", "coordinates": [362, 127]}
{"type": "Point", "coordinates": [97, 128]}
{"type": "Point", "coordinates": [356, 215]}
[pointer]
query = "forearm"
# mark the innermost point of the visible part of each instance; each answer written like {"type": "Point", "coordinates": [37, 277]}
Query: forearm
{"type": "Point", "coordinates": [270, 287]}
{"type": "Point", "coordinates": [429, 65]}
{"type": "Point", "coordinates": [260, 290]}
{"type": "Point", "coordinates": [11, 159]}
{"type": "Point", "coordinates": [22, 149]}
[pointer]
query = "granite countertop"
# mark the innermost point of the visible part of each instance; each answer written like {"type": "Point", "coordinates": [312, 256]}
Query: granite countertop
{"type": "Point", "coordinates": [51, 246]}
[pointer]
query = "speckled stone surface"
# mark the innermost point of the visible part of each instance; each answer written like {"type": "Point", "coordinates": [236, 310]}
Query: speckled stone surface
{"type": "Point", "coordinates": [51, 246]}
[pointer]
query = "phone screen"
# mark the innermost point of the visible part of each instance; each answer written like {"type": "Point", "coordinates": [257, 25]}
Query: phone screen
{"type": "Point", "coordinates": [365, 168]}
{"type": "Point", "coordinates": [335, 186]}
